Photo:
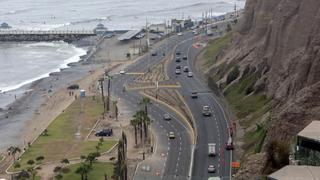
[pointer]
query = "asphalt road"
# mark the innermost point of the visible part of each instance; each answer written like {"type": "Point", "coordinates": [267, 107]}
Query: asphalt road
{"type": "Point", "coordinates": [171, 159]}
{"type": "Point", "coordinates": [213, 129]}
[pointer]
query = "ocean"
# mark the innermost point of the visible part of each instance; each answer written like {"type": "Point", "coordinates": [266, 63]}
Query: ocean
{"type": "Point", "coordinates": [23, 63]}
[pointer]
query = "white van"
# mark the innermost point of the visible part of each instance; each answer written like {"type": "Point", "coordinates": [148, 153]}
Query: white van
{"type": "Point", "coordinates": [212, 149]}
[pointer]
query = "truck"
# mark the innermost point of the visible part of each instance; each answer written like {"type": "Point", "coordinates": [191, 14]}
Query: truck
{"type": "Point", "coordinates": [211, 149]}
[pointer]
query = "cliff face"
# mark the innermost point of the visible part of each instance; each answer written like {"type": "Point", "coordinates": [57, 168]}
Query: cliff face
{"type": "Point", "coordinates": [282, 37]}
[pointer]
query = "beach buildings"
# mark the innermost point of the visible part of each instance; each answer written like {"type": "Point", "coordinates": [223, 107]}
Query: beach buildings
{"type": "Point", "coordinates": [292, 172]}
{"type": "Point", "coordinates": [5, 26]}
{"type": "Point", "coordinates": [181, 25]}
{"type": "Point", "coordinates": [100, 29]}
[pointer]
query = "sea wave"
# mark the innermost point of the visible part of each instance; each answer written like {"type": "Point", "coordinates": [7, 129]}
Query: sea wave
{"type": "Point", "coordinates": [79, 52]}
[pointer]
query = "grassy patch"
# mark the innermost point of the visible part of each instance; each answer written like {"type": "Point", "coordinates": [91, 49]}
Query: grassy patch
{"type": "Point", "coordinates": [99, 169]}
{"type": "Point", "coordinates": [242, 103]}
{"type": "Point", "coordinates": [67, 132]}
{"type": "Point", "coordinates": [254, 140]}
{"type": "Point", "coordinates": [215, 47]}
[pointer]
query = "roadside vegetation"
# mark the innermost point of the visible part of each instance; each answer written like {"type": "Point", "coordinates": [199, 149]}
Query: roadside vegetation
{"type": "Point", "coordinates": [66, 136]}
{"type": "Point", "coordinates": [239, 98]}
{"type": "Point", "coordinates": [98, 171]}
{"type": "Point", "coordinates": [215, 47]}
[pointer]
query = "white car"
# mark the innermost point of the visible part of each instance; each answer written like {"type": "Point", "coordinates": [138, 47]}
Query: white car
{"type": "Point", "coordinates": [171, 135]}
{"type": "Point", "coordinates": [178, 71]}
{"type": "Point", "coordinates": [190, 74]}
{"type": "Point", "coordinates": [211, 169]}
{"type": "Point", "coordinates": [167, 117]}
{"type": "Point", "coordinates": [179, 34]}
{"type": "Point", "coordinates": [122, 72]}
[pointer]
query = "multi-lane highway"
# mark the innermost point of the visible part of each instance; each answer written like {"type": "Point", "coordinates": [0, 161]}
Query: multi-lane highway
{"type": "Point", "coordinates": [213, 129]}
{"type": "Point", "coordinates": [172, 157]}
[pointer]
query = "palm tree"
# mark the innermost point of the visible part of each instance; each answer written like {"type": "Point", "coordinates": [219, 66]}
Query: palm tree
{"type": "Point", "coordinates": [13, 150]}
{"type": "Point", "coordinates": [134, 122]}
{"type": "Point", "coordinates": [84, 170]}
{"type": "Point", "coordinates": [145, 102]}
{"type": "Point", "coordinates": [138, 117]}
{"type": "Point", "coordinates": [33, 172]}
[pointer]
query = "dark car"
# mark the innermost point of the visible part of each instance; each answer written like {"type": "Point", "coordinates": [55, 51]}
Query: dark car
{"type": "Point", "coordinates": [104, 132]}
{"type": "Point", "coordinates": [185, 69]}
{"type": "Point", "coordinates": [185, 58]}
{"type": "Point", "coordinates": [194, 95]}
{"type": "Point", "coordinates": [154, 54]}
{"type": "Point", "coordinates": [178, 59]}
{"type": "Point", "coordinates": [178, 53]}
{"type": "Point", "coordinates": [178, 67]}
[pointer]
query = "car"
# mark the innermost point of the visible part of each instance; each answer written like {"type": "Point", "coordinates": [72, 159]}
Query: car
{"type": "Point", "coordinates": [154, 54]}
{"type": "Point", "coordinates": [73, 86]}
{"type": "Point", "coordinates": [178, 71]}
{"type": "Point", "coordinates": [190, 74]}
{"type": "Point", "coordinates": [185, 69]}
{"type": "Point", "coordinates": [104, 132]}
{"type": "Point", "coordinates": [185, 58]}
{"type": "Point", "coordinates": [178, 59]}
{"type": "Point", "coordinates": [211, 149]}
{"type": "Point", "coordinates": [122, 72]}
{"type": "Point", "coordinates": [171, 135]}
{"type": "Point", "coordinates": [206, 111]}
{"type": "Point", "coordinates": [211, 169]}
{"type": "Point", "coordinates": [167, 117]}
{"type": "Point", "coordinates": [179, 34]}
{"type": "Point", "coordinates": [178, 53]}
{"type": "Point", "coordinates": [178, 67]}
{"type": "Point", "coordinates": [194, 95]}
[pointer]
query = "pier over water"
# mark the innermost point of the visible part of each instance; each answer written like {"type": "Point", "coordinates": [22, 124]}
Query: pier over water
{"type": "Point", "coordinates": [51, 35]}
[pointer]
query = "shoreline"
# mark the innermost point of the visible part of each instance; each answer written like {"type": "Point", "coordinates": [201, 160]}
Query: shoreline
{"type": "Point", "coordinates": [26, 102]}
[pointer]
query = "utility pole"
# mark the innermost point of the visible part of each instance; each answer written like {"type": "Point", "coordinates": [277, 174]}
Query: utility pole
{"type": "Point", "coordinates": [147, 35]}
{"type": "Point", "coordinates": [109, 86]}
{"type": "Point", "coordinates": [102, 95]}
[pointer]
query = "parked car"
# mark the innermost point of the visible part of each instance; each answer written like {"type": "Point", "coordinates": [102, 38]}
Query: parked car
{"type": "Point", "coordinates": [104, 132]}
{"type": "Point", "coordinates": [122, 72]}
{"type": "Point", "coordinates": [73, 86]}
{"type": "Point", "coordinates": [185, 58]}
{"type": "Point", "coordinates": [154, 54]}
{"type": "Point", "coordinates": [190, 74]}
{"type": "Point", "coordinates": [178, 59]}
{"type": "Point", "coordinates": [178, 53]}
{"type": "Point", "coordinates": [178, 71]}
{"type": "Point", "coordinates": [180, 34]}
{"type": "Point", "coordinates": [167, 117]}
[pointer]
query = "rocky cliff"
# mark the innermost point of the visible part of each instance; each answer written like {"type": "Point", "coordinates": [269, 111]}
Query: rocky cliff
{"type": "Point", "coordinates": [280, 41]}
